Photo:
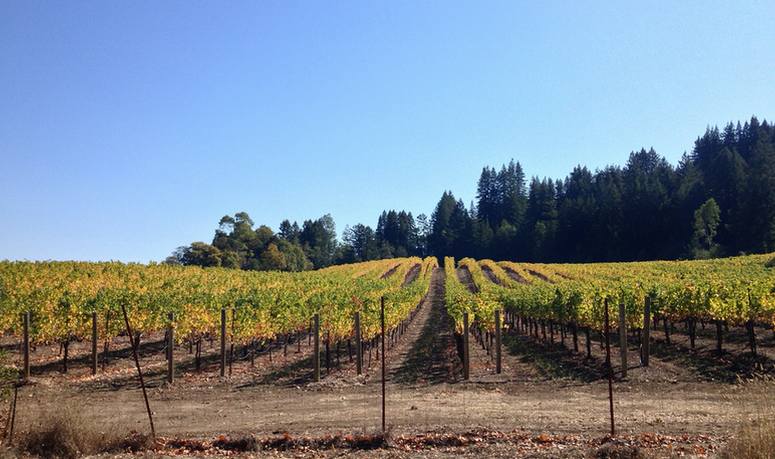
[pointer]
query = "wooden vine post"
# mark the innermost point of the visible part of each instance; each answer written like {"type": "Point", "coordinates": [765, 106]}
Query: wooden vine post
{"type": "Point", "coordinates": [623, 338]}
{"type": "Point", "coordinates": [382, 322]}
{"type": "Point", "coordinates": [588, 340]}
{"type": "Point", "coordinates": [139, 371]}
{"type": "Point", "coordinates": [609, 367]}
{"type": "Point", "coordinates": [358, 346]}
{"type": "Point", "coordinates": [26, 350]}
{"type": "Point", "coordinates": [316, 348]}
{"type": "Point", "coordinates": [466, 368]}
{"type": "Point", "coordinates": [497, 341]}
{"type": "Point", "coordinates": [223, 342]}
{"type": "Point", "coordinates": [646, 342]}
{"type": "Point", "coordinates": [94, 360]}
{"type": "Point", "coordinates": [170, 348]}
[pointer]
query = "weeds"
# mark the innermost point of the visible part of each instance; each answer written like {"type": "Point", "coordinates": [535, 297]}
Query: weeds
{"type": "Point", "coordinates": [756, 439]}
{"type": "Point", "coordinates": [66, 434]}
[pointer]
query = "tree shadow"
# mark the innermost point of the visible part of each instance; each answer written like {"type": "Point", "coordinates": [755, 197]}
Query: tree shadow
{"type": "Point", "coordinates": [433, 357]}
{"type": "Point", "coordinates": [146, 349]}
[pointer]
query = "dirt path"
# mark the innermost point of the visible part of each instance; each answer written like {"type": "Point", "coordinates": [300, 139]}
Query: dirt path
{"type": "Point", "coordinates": [540, 276]}
{"type": "Point", "coordinates": [426, 354]}
{"type": "Point", "coordinates": [515, 275]}
{"type": "Point", "coordinates": [464, 276]}
{"type": "Point", "coordinates": [390, 271]}
{"type": "Point", "coordinates": [490, 275]}
{"type": "Point", "coordinates": [411, 275]}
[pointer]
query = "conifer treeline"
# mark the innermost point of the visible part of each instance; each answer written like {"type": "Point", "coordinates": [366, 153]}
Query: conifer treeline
{"type": "Point", "coordinates": [718, 200]}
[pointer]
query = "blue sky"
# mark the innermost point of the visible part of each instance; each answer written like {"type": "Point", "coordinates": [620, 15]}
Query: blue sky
{"type": "Point", "coordinates": [129, 128]}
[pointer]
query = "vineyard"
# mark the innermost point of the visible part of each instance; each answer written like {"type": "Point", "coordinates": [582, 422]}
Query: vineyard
{"type": "Point", "coordinates": [64, 298]}
{"type": "Point", "coordinates": [512, 311]}
{"type": "Point", "coordinates": [736, 291]}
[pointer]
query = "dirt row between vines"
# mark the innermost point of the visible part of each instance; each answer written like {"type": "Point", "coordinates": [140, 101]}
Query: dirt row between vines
{"type": "Point", "coordinates": [540, 393]}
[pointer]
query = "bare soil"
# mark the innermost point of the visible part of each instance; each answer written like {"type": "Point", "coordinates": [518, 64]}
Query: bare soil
{"type": "Point", "coordinates": [540, 276]}
{"type": "Point", "coordinates": [390, 271]}
{"type": "Point", "coordinates": [464, 276]}
{"type": "Point", "coordinates": [412, 274]}
{"type": "Point", "coordinates": [490, 275]}
{"type": "Point", "coordinates": [549, 401]}
{"type": "Point", "coordinates": [515, 275]}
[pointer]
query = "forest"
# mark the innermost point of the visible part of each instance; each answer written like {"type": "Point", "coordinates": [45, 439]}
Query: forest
{"type": "Point", "coordinates": [719, 200]}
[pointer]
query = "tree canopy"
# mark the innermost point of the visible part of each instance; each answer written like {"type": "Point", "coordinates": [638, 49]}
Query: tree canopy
{"type": "Point", "coordinates": [718, 200]}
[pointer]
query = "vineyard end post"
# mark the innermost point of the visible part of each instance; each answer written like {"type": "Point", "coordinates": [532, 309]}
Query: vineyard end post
{"type": "Point", "coordinates": [358, 346]}
{"type": "Point", "coordinates": [94, 343]}
{"type": "Point", "coordinates": [466, 369]}
{"type": "Point", "coordinates": [223, 342]}
{"type": "Point", "coordinates": [498, 341]}
{"type": "Point", "coordinates": [609, 367]}
{"type": "Point", "coordinates": [382, 322]}
{"type": "Point", "coordinates": [26, 323]}
{"type": "Point", "coordinates": [170, 349]}
{"type": "Point", "coordinates": [623, 338]}
{"type": "Point", "coordinates": [646, 343]}
{"type": "Point", "coordinates": [316, 349]}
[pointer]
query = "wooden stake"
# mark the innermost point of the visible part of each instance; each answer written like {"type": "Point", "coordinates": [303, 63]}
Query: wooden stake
{"type": "Point", "coordinates": [316, 349]}
{"type": "Point", "coordinates": [623, 338]}
{"type": "Point", "coordinates": [382, 322]}
{"type": "Point", "coordinates": [466, 369]}
{"type": "Point", "coordinates": [645, 343]}
{"type": "Point", "coordinates": [223, 342]}
{"type": "Point", "coordinates": [231, 339]}
{"type": "Point", "coordinates": [497, 341]}
{"type": "Point", "coordinates": [749, 327]}
{"type": "Point", "coordinates": [106, 345]}
{"type": "Point", "coordinates": [588, 340]}
{"type": "Point", "coordinates": [609, 368]}
{"type": "Point", "coordinates": [94, 360]}
{"type": "Point", "coordinates": [328, 352]}
{"type": "Point", "coordinates": [26, 350]}
{"type": "Point", "coordinates": [139, 371]}
{"type": "Point", "coordinates": [358, 344]}
{"type": "Point", "coordinates": [170, 348]}
{"type": "Point", "coordinates": [66, 350]}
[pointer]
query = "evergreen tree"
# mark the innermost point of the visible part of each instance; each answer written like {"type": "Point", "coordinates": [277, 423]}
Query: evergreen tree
{"type": "Point", "coordinates": [706, 222]}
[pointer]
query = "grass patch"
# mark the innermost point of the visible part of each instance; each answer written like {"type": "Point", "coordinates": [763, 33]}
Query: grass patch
{"type": "Point", "coordinates": [754, 441]}
{"type": "Point", "coordinates": [66, 434]}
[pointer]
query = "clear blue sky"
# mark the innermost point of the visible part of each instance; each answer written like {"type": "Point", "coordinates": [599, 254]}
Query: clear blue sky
{"type": "Point", "coordinates": [129, 128]}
